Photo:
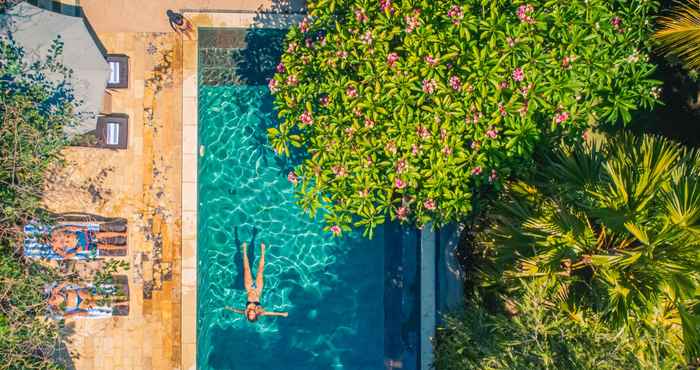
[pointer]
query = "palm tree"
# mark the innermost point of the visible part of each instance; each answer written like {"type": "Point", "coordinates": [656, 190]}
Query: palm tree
{"type": "Point", "coordinates": [614, 226]}
{"type": "Point", "coordinates": [679, 34]}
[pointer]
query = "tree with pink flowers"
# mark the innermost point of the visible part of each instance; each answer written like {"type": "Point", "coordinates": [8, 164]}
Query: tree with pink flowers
{"type": "Point", "coordinates": [405, 109]}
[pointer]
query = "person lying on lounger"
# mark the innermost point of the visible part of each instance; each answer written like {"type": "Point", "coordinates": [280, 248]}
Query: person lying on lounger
{"type": "Point", "coordinates": [69, 300]}
{"type": "Point", "coordinates": [253, 309]}
{"type": "Point", "coordinates": [69, 240]}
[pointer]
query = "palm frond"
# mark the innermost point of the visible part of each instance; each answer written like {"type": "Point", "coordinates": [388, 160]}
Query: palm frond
{"type": "Point", "coordinates": [679, 34]}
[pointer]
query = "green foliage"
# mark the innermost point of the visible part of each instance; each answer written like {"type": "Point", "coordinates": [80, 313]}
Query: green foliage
{"type": "Point", "coordinates": [404, 108]}
{"type": "Point", "coordinates": [534, 334]}
{"type": "Point", "coordinates": [679, 34]}
{"type": "Point", "coordinates": [614, 227]}
{"type": "Point", "coordinates": [27, 340]}
{"type": "Point", "coordinates": [33, 113]}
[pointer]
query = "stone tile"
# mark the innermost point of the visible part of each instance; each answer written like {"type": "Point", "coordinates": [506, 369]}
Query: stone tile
{"type": "Point", "coordinates": [189, 139]}
{"type": "Point", "coordinates": [189, 253]}
{"type": "Point", "coordinates": [189, 355]}
{"type": "Point", "coordinates": [189, 85]}
{"type": "Point", "coordinates": [189, 196]}
{"type": "Point", "coordinates": [189, 278]}
{"type": "Point", "coordinates": [189, 225]}
{"type": "Point", "coordinates": [189, 169]}
{"type": "Point", "coordinates": [189, 111]}
{"type": "Point", "coordinates": [189, 330]}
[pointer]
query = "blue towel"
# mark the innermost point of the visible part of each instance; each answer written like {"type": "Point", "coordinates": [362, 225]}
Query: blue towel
{"type": "Point", "coordinates": [35, 248]}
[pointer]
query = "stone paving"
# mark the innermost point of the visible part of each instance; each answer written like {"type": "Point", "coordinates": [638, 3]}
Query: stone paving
{"type": "Point", "coordinates": [141, 184]}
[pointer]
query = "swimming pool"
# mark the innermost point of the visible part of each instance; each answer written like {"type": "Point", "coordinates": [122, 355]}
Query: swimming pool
{"type": "Point", "coordinates": [352, 303]}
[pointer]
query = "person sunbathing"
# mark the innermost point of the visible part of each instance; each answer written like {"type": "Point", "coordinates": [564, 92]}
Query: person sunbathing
{"type": "Point", "coordinates": [253, 309]}
{"type": "Point", "coordinates": [74, 301]}
{"type": "Point", "coordinates": [69, 240]}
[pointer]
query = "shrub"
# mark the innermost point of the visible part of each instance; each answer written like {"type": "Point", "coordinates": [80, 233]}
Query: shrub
{"type": "Point", "coordinates": [614, 227]}
{"type": "Point", "coordinates": [34, 110]}
{"type": "Point", "coordinates": [404, 108]}
{"type": "Point", "coordinates": [534, 334]}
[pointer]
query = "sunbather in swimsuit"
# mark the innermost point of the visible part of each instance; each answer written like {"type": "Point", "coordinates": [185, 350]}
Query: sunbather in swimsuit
{"type": "Point", "coordinates": [253, 308]}
{"type": "Point", "coordinates": [68, 241]}
{"type": "Point", "coordinates": [74, 301]}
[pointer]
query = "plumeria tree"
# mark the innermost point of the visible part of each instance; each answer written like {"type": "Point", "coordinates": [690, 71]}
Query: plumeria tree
{"type": "Point", "coordinates": [402, 109]}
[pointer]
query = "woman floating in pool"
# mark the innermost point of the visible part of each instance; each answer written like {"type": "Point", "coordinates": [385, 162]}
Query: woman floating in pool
{"type": "Point", "coordinates": [253, 309]}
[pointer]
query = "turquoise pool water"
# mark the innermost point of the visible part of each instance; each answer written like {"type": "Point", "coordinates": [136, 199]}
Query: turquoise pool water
{"type": "Point", "coordinates": [337, 291]}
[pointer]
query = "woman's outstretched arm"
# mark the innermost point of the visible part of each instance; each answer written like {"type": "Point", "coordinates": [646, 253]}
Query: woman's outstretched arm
{"type": "Point", "coordinates": [270, 313]}
{"type": "Point", "coordinates": [234, 310]}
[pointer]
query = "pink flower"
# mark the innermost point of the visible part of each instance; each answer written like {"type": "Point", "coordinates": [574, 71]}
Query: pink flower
{"type": "Point", "coordinates": [272, 85]}
{"type": "Point", "coordinates": [455, 83]}
{"type": "Point", "coordinates": [431, 61]}
{"type": "Point", "coordinates": [412, 21]}
{"type": "Point", "coordinates": [385, 5]}
{"type": "Point", "coordinates": [429, 86]}
{"type": "Point", "coordinates": [391, 59]}
{"type": "Point", "coordinates": [306, 118]}
{"type": "Point", "coordinates": [429, 204]}
{"type": "Point", "coordinates": [402, 213]}
{"type": "Point", "coordinates": [309, 43]}
{"type": "Point", "coordinates": [492, 133]}
{"type": "Point", "coordinates": [335, 229]}
{"type": "Point", "coordinates": [476, 171]}
{"type": "Point", "coordinates": [423, 132]}
{"type": "Point", "coordinates": [322, 40]}
{"type": "Point", "coordinates": [292, 80]}
{"type": "Point", "coordinates": [447, 151]}
{"type": "Point", "coordinates": [455, 13]}
{"type": "Point", "coordinates": [349, 131]}
{"type": "Point", "coordinates": [367, 37]}
{"type": "Point", "coordinates": [324, 100]}
{"type": "Point", "coordinates": [616, 22]}
{"type": "Point", "coordinates": [339, 171]}
{"type": "Point", "coordinates": [292, 177]}
{"type": "Point", "coordinates": [415, 149]}
{"type": "Point", "coordinates": [369, 161]}
{"type": "Point", "coordinates": [401, 166]}
{"type": "Point", "coordinates": [369, 123]}
{"type": "Point", "coordinates": [292, 47]}
{"type": "Point", "coordinates": [503, 85]}
{"type": "Point", "coordinates": [511, 41]}
{"type": "Point", "coordinates": [525, 89]}
{"type": "Point", "coordinates": [502, 110]}
{"type": "Point", "coordinates": [493, 176]}
{"type": "Point", "coordinates": [561, 117]}
{"type": "Point", "coordinates": [351, 92]}
{"type": "Point", "coordinates": [304, 25]}
{"type": "Point", "coordinates": [518, 74]}
{"type": "Point", "coordinates": [566, 62]}
{"type": "Point", "coordinates": [584, 136]}
{"type": "Point", "coordinates": [524, 13]}
{"type": "Point", "coordinates": [360, 15]}
{"type": "Point", "coordinates": [280, 68]}
{"type": "Point", "coordinates": [400, 184]}
{"type": "Point", "coordinates": [341, 54]}
{"type": "Point", "coordinates": [357, 112]}
{"type": "Point", "coordinates": [391, 147]}
{"type": "Point", "coordinates": [476, 145]}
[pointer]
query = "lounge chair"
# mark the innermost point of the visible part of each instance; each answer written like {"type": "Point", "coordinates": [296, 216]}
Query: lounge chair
{"type": "Point", "coordinates": [116, 293]}
{"type": "Point", "coordinates": [86, 228]}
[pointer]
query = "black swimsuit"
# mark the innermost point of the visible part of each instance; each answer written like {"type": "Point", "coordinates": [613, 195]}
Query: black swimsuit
{"type": "Point", "coordinates": [253, 303]}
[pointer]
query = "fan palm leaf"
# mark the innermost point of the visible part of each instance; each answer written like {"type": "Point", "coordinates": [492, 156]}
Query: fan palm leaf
{"type": "Point", "coordinates": [679, 34]}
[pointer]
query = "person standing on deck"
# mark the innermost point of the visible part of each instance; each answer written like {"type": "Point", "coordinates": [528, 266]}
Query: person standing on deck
{"type": "Point", "coordinates": [253, 309]}
{"type": "Point", "coordinates": [179, 23]}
